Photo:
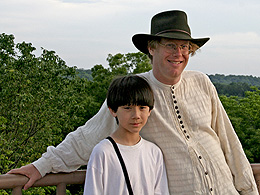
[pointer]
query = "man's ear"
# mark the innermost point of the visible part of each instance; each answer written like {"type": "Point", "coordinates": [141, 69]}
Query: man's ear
{"type": "Point", "coordinates": [151, 51]}
{"type": "Point", "coordinates": [112, 112]}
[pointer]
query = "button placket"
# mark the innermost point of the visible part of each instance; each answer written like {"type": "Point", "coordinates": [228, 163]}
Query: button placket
{"type": "Point", "coordinates": [209, 183]}
{"type": "Point", "coordinates": [206, 172]}
{"type": "Point", "coordinates": [208, 179]}
{"type": "Point", "coordinates": [187, 136]}
{"type": "Point", "coordinates": [177, 111]}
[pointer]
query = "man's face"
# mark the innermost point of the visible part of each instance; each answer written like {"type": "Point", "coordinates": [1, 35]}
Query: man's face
{"type": "Point", "coordinates": [168, 65]}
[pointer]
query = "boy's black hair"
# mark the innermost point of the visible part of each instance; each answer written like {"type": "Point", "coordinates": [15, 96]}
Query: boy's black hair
{"type": "Point", "coordinates": [129, 90]}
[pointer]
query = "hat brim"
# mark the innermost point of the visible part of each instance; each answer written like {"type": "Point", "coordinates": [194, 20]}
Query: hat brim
{"type": "Point", "coordinates": [141, 40]}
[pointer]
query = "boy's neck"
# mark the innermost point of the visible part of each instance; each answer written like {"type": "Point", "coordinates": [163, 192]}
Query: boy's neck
{"type": "Point", "coordinates": [126, 139]}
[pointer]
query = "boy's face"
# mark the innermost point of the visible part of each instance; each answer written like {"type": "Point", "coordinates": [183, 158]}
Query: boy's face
{"type": "Point", "coordinates": [131, 118]}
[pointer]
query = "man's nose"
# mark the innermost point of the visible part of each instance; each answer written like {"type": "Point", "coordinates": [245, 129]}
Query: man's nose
{"type": "Point", "coordinates": [177, 52]}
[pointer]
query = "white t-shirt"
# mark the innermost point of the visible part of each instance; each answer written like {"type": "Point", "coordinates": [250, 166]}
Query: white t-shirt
{"type": "Point", "coordinates": [144, 164]}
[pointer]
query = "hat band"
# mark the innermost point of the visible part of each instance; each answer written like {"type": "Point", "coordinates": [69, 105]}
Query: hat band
{"type": "Point", "coordinates": [165, 31]}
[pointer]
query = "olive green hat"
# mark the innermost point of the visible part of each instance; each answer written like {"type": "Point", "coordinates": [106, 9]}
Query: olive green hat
{"type": "Point", "coordinates": [169, 24]}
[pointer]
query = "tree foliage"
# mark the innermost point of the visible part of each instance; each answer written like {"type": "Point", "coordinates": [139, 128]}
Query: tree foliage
{"type": "Point", "coordinates": [244, 114]}
{"type": "Point", "coordinates": [118, 65]}
{"type": "Point", "coordinates": [233, 89]}
{"type": "Point", "coordinates": [41, 100]}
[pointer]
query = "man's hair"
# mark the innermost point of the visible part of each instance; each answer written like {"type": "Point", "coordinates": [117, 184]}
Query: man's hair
{"type": "Point", "coordinates": [129, 90]}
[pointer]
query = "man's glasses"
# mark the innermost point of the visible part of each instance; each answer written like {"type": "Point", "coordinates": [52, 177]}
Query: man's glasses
{"type": "Point", "coordinates": [172, 48]}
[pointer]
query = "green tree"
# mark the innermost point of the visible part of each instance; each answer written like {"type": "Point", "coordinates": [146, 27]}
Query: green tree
{"type": "Point", "coordinates": [41, 100]}
{"type": "Point", "coordinates": [244, 114]}
{"type": "Point", "coordinates": [232, 89]}
{"type": "Point", "coordinates": [118, 65]}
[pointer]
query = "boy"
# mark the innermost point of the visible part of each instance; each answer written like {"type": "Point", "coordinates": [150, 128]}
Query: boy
{"type": "Point", "coordinates": [130, 100]}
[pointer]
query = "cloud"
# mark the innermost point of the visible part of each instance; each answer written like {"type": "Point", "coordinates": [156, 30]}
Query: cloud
{"type": "Point", "coordinates": [239, 45]}
{"type": "Point", "coordinates": [84, 32]}
{"type": "Point", "coordinates": [80, 1]}
{"type": "Point", "coordinates": [231, 53]}
{"type": "Point", "coordinates": [237, 39]}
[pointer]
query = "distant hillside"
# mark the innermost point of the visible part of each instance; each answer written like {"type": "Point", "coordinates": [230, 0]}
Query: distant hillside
{"type": "Point", "coordinates": [230, 85]}
{"type": "Point", "coordinates": [234, 85]}
{"type": "Point", "coordinates": [220, 78]}
{"type": "Point", "coordinates": [82, 73]}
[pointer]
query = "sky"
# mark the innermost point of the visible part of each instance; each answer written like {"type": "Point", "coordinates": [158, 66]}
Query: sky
{"type": "Point", "coordinates": [84, 32]}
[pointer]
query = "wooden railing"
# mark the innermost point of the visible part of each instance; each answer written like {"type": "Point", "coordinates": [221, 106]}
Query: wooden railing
{"type": "Point", "coordinates": [61, 180]}
{"type": "Point", "coordinates": [256, 171]}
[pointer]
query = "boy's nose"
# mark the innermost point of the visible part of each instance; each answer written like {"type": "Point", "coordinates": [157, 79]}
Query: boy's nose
{"type": "Point", "coordinates": [136, 113]}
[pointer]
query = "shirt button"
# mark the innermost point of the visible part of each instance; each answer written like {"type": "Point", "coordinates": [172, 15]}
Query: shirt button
{"type": "Point", "coordinates": [200, 157]}
{"type": "Point", "coordinates": [206, 173]}
{"type": "Point", "coordinates": [184, 131]}
{"type": "Point", "coordinates": [188, 137]}
{"type": "Point", "coordinates": [211, 189]}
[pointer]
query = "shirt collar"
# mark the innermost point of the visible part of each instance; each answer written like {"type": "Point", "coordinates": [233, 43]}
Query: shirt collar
{"type": "Point", "coordinates": [162, 85]}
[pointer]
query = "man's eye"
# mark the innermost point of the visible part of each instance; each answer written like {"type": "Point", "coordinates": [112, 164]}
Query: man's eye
{"type": "Point", "coordinates": [184, 46]}
{"type": "Point", "coordinates": [171, 46]}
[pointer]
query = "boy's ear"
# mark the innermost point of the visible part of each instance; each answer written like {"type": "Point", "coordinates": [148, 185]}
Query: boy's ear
{"type": "Point", "coordinates": [112, 112]}
{"type": "Point", "coordinates": [149, 112]}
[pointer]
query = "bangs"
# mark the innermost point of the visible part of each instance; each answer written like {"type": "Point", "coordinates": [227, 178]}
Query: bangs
{"type": "Point", "coordinates": [129, 90]}
{"type": "Point", "coordinates": [134, 95]}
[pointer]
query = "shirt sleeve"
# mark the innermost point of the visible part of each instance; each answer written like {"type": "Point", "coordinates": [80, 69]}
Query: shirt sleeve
{"type": "Point", "coordinates": [235, 157]}
{"type": "Point", "coordinates": [161, 186]}
{"type": "Point", "coordinates": [94, 176]}
{"type": "Point", "coordinates": [75, 149]}
{"type": "Point", "coordinates": [93, 182]}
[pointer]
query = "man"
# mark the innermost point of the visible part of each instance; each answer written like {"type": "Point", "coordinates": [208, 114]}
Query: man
{"type": "Point", "coordinates": [202, 152]}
